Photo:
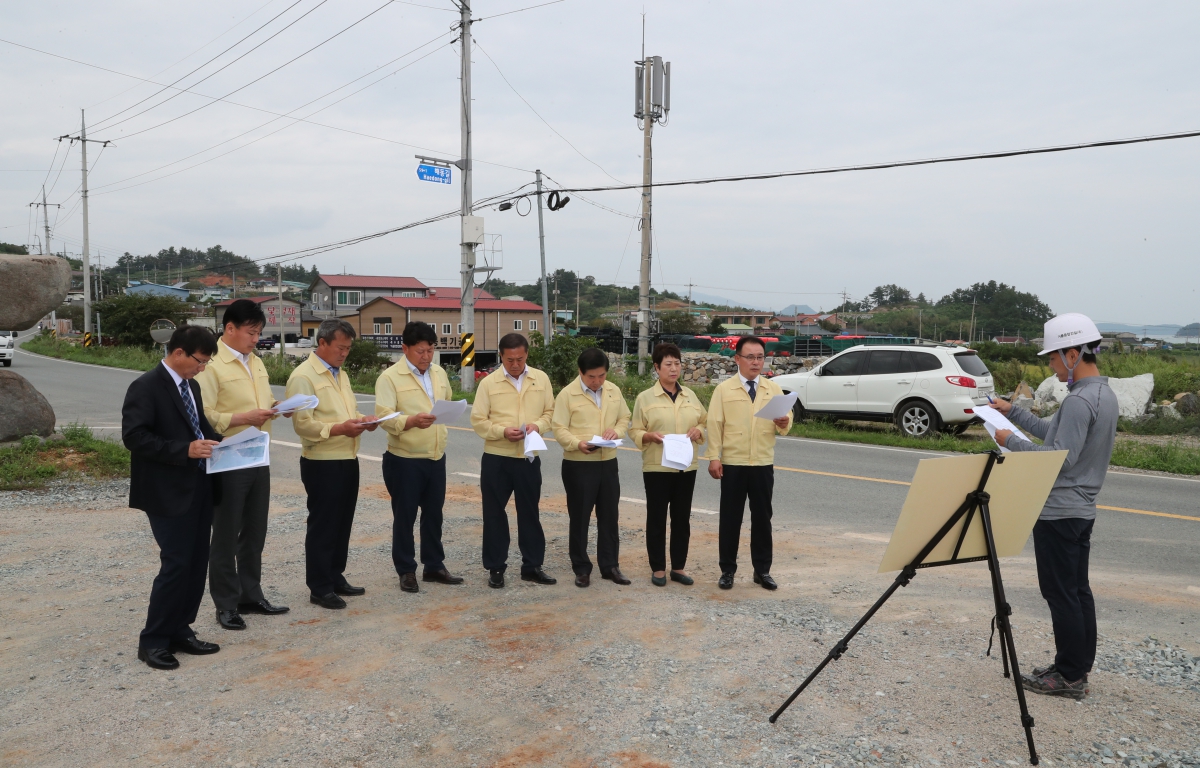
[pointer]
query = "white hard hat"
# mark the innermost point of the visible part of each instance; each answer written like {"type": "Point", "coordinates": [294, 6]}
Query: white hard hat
{"type": "Point", "coordinates": [1068, 330]}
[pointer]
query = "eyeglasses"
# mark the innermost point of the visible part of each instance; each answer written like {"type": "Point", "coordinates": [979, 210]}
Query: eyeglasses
{"type": "Point", "coordinates": [753, 358]}
{"type": "Point", "coordinates": [202, 362]}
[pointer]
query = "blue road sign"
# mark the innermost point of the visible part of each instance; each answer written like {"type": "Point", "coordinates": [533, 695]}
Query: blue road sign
{"type": "Point", "coordinates": [434, 173]}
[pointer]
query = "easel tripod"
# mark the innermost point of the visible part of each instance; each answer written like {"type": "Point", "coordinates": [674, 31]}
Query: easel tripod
{"type": "Point", "coordinates": [976, 502]}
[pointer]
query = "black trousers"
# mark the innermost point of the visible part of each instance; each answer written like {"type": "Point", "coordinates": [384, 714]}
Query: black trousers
{"type": "Point", "coordinates": [238, 534]}
{"type": "Point", "coordinates": [1062, 548]}
{"type": "Point", "coordinates": [183, 554]}
{"type": "Point", "coordinates": [668, 492]}
{"type": "Point", "coordinates": [593, 485]}
{"type": "Point", "coordinates": [413, 484]}
{"type": "Point", "coordinates": [737, 485]}
{"type": "Point", "coordinates": [332, 487]}
{"type": "Point", "coordinates": [500, 478]}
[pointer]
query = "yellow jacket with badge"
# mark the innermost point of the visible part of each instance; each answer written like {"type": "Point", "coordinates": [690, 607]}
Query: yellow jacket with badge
{"type": "Point", "coordinates": [655, 411]}
{"type": "Point", "coordinates": [577, 419]}
{"type": "Point", "coordinates": [337, 404]}
{"type": "Point", "coordinates": [397, 389]}
{"type": "Point", "coordinates": [498, 406]}
{"type": "Point", "coordinates": [229, 389]}
{"type": "Point", "coordinates": [735, 435]}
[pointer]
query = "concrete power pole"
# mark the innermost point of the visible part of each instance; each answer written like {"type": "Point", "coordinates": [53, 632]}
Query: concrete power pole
{"type": "Point", "coordinates": [87, 267]}
{"type": "Point", "coordinates": [652, 102]}
{"type": "Point", "coordinates": [547, 330]}
{"type": "Point", "coordinates": [472, 226]}
{"type": "Point", "coordinates": [279, 277]}
{"type": "Point", "coordinates": [45, 219]}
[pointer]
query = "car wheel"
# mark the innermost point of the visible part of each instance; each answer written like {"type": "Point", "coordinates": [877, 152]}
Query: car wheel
{"type": "Point", "coordinates": [7, 363]}
{"type": "Point", "coordinates": [917, 419]}
{"type": "Point", "coordinates": [798, 412]}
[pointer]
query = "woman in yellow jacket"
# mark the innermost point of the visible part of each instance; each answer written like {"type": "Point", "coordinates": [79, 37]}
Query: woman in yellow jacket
{"type": "Point", "coordinates": [591, 406]}
{"type": "Point", "coordinates": [667, 408]}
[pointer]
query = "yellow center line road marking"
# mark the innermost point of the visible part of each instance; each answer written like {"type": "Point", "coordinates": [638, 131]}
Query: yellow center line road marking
{"type": "Point", "coordinates": [297, 445]}
{"type": "Point", "coordinates": [847, 477]}
{"type": "Point", "coordinates": [1148, 512]}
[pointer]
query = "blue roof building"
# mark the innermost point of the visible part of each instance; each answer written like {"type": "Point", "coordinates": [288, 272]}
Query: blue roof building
{"type": "Point", "coordinates": [154, 289]}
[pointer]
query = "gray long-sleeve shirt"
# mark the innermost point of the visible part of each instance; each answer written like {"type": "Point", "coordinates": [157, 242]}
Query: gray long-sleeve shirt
{"type": "Point", "coordinates": [1085, 425]}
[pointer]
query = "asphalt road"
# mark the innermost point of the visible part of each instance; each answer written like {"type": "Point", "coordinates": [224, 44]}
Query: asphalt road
{"type": "Point", "coordinates": [857, 488]}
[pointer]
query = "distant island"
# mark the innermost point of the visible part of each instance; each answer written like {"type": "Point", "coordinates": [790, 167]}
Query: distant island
{"type": "Point", "coordinates": [1189, 330]}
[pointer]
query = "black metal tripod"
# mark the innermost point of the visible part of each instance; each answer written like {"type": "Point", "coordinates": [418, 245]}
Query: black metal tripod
{"type": "Point", "coordinates": [976, 501]}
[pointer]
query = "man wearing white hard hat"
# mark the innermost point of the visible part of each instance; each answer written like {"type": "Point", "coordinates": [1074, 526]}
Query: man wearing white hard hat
{"type": "Point", "coordinates": [1086, 426]}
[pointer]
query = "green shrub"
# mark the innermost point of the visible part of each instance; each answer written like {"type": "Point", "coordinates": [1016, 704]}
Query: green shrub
{"type": "Point", "coordinates": [365, 358]}
{"type": "Point", "coordinates": [127, 318]}
{"type": "Point", "coordinates": [558, 359]}
{"type": "Point", "coordinates": [1172, 374]}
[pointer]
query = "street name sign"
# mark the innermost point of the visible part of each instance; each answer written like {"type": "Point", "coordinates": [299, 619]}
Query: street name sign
{"type": "Point", "coordinates": [434, 173]}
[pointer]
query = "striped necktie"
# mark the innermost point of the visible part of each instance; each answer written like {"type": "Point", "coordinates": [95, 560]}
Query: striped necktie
{"type": "Point", "coordinates": [186, 394]}
{"type": "Point", "coordinates": [750, 384]}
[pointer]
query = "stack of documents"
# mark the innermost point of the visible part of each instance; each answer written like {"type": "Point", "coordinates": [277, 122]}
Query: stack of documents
{"type": "Point", "coordinates": [994, 420]}
{"type": "Point", "coordinates": [249, 448]}
{"type": "Point", "coordinates": [449, 411]}
{"type": "Point", "coordinates": [677, 452]}
{"type": "Point", "coordinates": [778, 407]}
{"type": "Point", "coordinates": [297, 403]}
{"type": "Point", "coordinates": [533, 443]}
{"type": "Point", "coordinates": [389, 417]}
{"type": "Point", "coordinates": [600, 442]}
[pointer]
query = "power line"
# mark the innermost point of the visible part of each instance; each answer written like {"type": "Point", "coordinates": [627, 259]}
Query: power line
{"type": "Point", "coordinates": [534, 111]}
{"type": "Point", "coordinates": [896, 164]}
{"type": "Point", "coordinates": [594, 203]}
{"type": "Point", "coordinates": [519, 10]}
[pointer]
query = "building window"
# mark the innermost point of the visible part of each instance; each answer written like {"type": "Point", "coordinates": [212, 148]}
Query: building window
{"type": "Point", "coordinates": [533, 325]}
{"type": "Point", "coordinates": [516, 325]}
{"type": "Point", "coordinates": [445, 327]}
{"type": "Point", "coordinates": [460, 329]}
{"type": "Point", "coordinates": [387, 328]}
{"type": "Point", "coordinates": [408, 294]}
{"type": "Point", "coordinates": [348, 298]}
{"type": "Point", "coordinates": [376, 329]}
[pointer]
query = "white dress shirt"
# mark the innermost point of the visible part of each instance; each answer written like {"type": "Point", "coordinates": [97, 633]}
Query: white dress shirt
{"type": "Point", "coordinates": [243, 359]}
{"type": "Point", "coordinates": [175, 377]}
{"type": "Point", "coordinates": [595, 394]}
{"type": "Point", "coordinates": [746, 384]}
{"type": "Point", "coordinates": [519, 380]}
{"type": "Point", "coordinates": [425, 379]}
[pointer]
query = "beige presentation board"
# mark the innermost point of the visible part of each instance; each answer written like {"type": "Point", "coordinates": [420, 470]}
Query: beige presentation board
{"type": "Point", "coordinates": [1018, 489]}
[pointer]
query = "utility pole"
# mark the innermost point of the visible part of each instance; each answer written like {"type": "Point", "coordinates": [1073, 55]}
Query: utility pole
{"type": "Point", "coordinates": [472, 226]}
{"type": "Point", "coordinates": [87, 267]}
{"type": "Point", "coordinates": [652, 102]}
{"type": "Point", "coordinates": [46, 219]}
{"type": "Point", "coordinates": [279, 277]}
{"type": "Point", "coordinates": [547, 330]}
{"type": "Point", "coordinates": [577, 281]}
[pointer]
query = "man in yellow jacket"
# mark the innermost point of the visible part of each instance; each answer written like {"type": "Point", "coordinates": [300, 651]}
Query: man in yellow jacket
{"type": "Point", "coordinates": [329, 462]}
{"type": "Point", "coordinates": [591, 406]}
{"type": "Point", "coordinates": [741, 454]}
{"type": "Point", "coordinates": [414, 467]}
{"type": "Point", "coordinates": [237, 395]}
{"type": "Point", "coordinates": [510, 402]}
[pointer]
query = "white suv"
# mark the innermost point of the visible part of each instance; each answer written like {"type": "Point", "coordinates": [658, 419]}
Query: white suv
{"type": "Point", "coordinates": [922, 388]}
{"type": "Point", "coordinates": [8, 343]}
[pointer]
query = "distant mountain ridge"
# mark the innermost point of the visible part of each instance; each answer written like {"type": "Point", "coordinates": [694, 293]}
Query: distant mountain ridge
{"type": "Point", "coordinates": [1168, 329]}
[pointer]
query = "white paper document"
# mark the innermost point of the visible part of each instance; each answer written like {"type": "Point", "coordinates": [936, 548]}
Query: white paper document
{"type": "Point", "coordinates": [600, 442]}
{"type": "Point", "coordinates": [249, 448]}
{"type": "Point", "coordinates": [389, 417]}
{"type": "Point", "coordinates": [994, 420]}
{"type": "Point", "coordinates": [778, 407]}
{"type": "Point", "coordinates": [677, 452]}
{"type": "Point", "coordinates": [297, 403]}
{"type": "Point", "coordinates": [449, 411]}
{"type": "Point", "coordinates": [533, 442]}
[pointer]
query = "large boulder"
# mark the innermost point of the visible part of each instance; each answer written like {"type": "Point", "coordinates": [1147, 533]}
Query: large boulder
{"type": "Point", "coordinates": [1187, 403]}
{"type": "Point", "coordinates": [1133, 394]}
{"type": "Point", "coordinates": [23, 410]}
{"type": "Point", "coordinates": [30, 288]}
{"type": "Point", "coordinates": [1050, 393]}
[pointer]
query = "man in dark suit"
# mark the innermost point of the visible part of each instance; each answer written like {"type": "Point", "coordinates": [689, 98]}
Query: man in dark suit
{"type": "Point", "coordinates": [163, 426]}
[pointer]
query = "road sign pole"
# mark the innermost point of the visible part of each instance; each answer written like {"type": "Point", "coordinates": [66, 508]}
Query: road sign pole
{"type": "Point", "coordinates": [547, 330]}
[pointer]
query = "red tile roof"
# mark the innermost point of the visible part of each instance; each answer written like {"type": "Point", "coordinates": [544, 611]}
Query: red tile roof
{"type": "Point", "coordinates": [488, 305]}
{"type": "Point", "coordinates": [255, 299]}
{"type": "Point", "coordinates": [372, 281]}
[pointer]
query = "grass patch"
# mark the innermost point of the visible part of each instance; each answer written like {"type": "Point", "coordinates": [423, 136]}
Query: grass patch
{"type": "Point", "coordinates": [1168, 457]}
{"type": "Point", "coordinates": [76, 451]}
{"type": "Point", "coordinates": [133, 358]}
{"type": "Point", "coordinates": [1172, 373]}
{"type": "Point", "coordinates": [1160, 425]}
{"type": "Point", "coordinates": [885, 434]}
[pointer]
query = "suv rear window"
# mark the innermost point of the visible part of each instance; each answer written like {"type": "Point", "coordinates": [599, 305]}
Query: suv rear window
{"type": "Point", "coordinates": [971, 363]}
{"type": "Point", "coordinates": [921, 361]}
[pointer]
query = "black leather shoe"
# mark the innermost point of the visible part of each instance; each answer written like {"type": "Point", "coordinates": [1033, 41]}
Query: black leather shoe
{"type": "Point", "coordinates": [583, 579]}
{"type": "Point", "coordinates": [538, 576]}
{"type": "Point", "coordinates": [194, 646]}
{"type": "Point", "coordinates": [726, 580]}
{"type": "Point", "coordinates": [349, 591]}
{"type": "Point", "coordinates": [616, 577]}
{"type": "Point", "coordinates": [441, 576]}
{"type": "Point", "coordinates": [329, 600]}
{"type": "Point", "coordinates": [496, 579]}
{"type": "Point", "coordinates": [231, 620]}
{"type": "Point", "coordinates": [262, 606]}
{"type": "Point", "coordinates": [408, 582]}
{"type": "Point", "coordinates": [682, 578]}
{"type": "Point", "coordinates": [158, 658]}
{"type": "Point", "coordinates": [765, 580]}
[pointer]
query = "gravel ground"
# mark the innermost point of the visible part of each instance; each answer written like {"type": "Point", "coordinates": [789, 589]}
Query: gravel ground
{"type": "Point", "coordinates": [633, 676]}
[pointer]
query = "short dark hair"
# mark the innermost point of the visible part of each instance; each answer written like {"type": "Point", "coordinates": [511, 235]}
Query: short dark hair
{"type": "Point", "coordinates": [737, 348]}
{"type": "Point", "coordinates": [512, 341]}
{"type": "Point", "coordinates": [416, 332]}
{"type": "Point", "coordinates": [244, 312]}
{"type": "Point", "coordinates": [592, 358]}
{"type": "Point", "coordinates": [192, 339]}
{"type": "Point", "coordinates": [328, 330]}
{"type": "Point", "coordinates": [1088, 356]}
{"type": "Point", "coordinates": [662, 351]}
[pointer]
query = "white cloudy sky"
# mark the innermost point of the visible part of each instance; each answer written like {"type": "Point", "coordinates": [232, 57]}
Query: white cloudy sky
{"type": "Point", "coordinates": [757, 87]}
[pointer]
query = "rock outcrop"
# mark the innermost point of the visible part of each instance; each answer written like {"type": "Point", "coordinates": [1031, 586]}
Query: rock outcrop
{"type": "Point", "coordinates": [30, 288]}
{"type": "Point", "coordinates": [23, 410]}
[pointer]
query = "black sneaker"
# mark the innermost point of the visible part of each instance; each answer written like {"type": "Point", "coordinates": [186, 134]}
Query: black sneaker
{"type": "Point", "coordinates": [1053, 684]}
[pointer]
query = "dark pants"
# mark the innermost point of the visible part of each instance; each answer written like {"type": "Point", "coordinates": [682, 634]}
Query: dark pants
{"type": "Point", "coordinates": [737, 485]}
{"type": "Point", "coordinates": [593, 485]}
{"type": "Point", "coordinates": [671, 490]}
{"type": "Point", "coordinates": [500, 478]}
{"type": "Point", "coordinates": [415, 483]}
{"type": "Point", "coordinates": [238, 534]}
{"type": "Point", "coordinates": [1062, 548]}
{"type": "Point", "coordinates": [332, 487]}
{"type": "Point", "coordinates": [179, 586]}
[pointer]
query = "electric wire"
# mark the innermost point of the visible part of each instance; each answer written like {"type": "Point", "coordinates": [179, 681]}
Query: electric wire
{"type": "Point", "coordinates": [519, 10]}
{"type": "Point", "coordinates": [593, 202]}
{"type": "Point", "coordinates": [539, 116]}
